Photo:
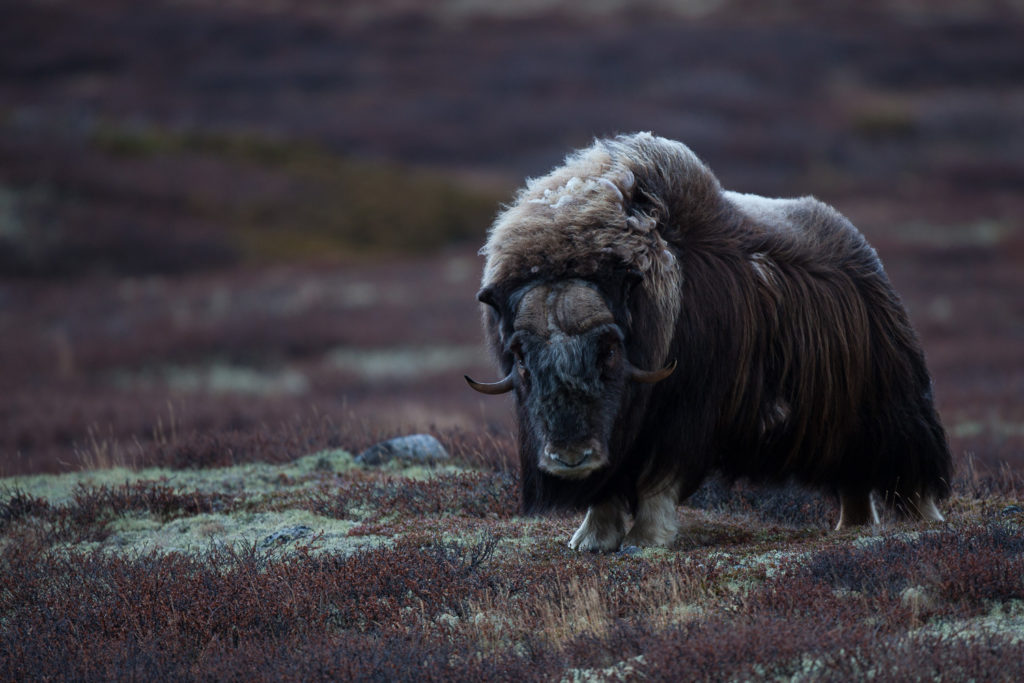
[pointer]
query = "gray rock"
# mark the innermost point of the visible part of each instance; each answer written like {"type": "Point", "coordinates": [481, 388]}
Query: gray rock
{"type": "Point", "coordinates": [420, 448]}
{"type": "Point", "coordinates": [286, 535]}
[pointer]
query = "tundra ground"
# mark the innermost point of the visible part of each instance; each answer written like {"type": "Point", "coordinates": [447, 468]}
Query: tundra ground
{"type": "Point", "coordinates": [237, 246]}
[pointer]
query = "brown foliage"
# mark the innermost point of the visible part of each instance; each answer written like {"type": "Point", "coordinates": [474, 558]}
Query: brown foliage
{"type": "Point", "coordinates": [116, 164]}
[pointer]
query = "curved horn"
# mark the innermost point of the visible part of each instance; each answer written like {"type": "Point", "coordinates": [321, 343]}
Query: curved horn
{"type": "Point", "coordinates": [499, 387]}
{"type": "Point", "coordinates": [650, 376]}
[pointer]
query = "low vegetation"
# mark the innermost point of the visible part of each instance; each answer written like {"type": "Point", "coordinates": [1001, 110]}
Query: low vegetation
{"type": "Point", "coordinates": [210, 298]}
{"type": "Point", "coordinates": [321, 568]}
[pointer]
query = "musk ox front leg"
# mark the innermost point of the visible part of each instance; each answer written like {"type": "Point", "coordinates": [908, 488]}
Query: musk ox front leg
{"type": "Point", "coordinates": [602, 528]}
{"type": "Point", "coordinates": [655, 523]}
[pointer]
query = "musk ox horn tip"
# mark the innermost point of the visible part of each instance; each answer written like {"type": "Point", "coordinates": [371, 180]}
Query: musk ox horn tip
{"type": "Point", "coordinates": [499, 387]}
{"type": "Point", "coordinates": [652, 376]}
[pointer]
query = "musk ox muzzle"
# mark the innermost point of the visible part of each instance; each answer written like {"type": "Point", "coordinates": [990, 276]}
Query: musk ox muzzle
{"type": "Point", "coordinates": [569, 369]}
{"type": "Point", "coordinates": [573, 461]}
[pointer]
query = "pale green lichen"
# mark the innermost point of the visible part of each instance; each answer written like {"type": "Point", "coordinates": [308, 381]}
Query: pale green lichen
{"type": "Point", "coordinates": [248, 478]}
{"type": "Point", "coordinates": [420, 472]}
{"type": "Point", "coordinates": [140, 534]}
{"type": "Point", "coordinates": [625, 670]}
{"type": "Point", "coordinates": [264, 496]}
{"type": "Point", "coordinates": [1004, 620]}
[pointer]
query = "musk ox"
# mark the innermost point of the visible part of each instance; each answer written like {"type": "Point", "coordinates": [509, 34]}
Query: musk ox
{"type": "Point", "coordinates": [656, 328]}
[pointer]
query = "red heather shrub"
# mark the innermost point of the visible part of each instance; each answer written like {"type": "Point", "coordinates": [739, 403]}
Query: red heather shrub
{"type": "Point", "coordinates": [965, 568]}
{"type": "Point", "coordinates": [154, 497]}
{"type": "Point", "coordinates": [92, 508]}
{"type": "Point", "coordinates": [19, 505]}
{"type": "Point", "coordinates": [964, 656]}
{"type": "Point", "coordinates": [825, 649]}
{"type": "Point", "coordinates": [842, 611]}
{"type": "Point", "coordinates": [763, 633]}
{"type": "Point", "coordinates": [408, 658]}
{"type": "Point", "coordinates": [74, 615]}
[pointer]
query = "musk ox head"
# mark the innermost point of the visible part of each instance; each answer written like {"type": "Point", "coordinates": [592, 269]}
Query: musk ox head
{"type": "Point", "coordinates": [569, 370]}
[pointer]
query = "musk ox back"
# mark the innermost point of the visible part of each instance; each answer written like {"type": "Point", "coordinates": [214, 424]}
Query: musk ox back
{"type": "Point", "coordinates": [656, 328]}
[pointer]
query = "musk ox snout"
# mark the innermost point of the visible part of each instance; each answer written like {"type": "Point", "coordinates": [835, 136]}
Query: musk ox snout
{"type": "Point", "coordinates": [573, 461]}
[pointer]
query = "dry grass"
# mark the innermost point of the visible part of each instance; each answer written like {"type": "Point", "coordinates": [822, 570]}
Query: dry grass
{"type": "Point", "coordinates": [455, 585]}
{"type": "Point", "coordinates": [152, 316]}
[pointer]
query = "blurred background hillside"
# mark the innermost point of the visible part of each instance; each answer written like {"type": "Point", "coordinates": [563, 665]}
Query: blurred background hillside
{"type": "Point", "coordinates": [245, 229]}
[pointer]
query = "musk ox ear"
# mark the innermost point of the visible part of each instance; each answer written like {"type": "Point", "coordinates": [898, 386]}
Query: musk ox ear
{"type": "Point", "coordinates": [497, 305]}
{"type": "Point", "coordinates": [498, 326]}
{"type": "Point", "coordinates": [496, 312]}
{"type": "Point", "coordinates": [618, 291]}
{"type": "Point", "coordinates": [487, 296]}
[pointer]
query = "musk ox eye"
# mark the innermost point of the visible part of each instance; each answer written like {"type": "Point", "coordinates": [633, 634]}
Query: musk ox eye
{"type": "Point", "coordinates": [610, 356]}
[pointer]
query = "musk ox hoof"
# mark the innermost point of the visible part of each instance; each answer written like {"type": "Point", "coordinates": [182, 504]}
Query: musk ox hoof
{"type": "Point", "coordinates": [602, 529]}
{"type": "Point", "coordinates": [650, 538]}
{"type": "Point", "coordinates": [589, 541]}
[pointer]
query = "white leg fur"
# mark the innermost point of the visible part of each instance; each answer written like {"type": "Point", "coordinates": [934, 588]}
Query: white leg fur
{"type": "Point", "coordinates": [655, 523]}
{"type": "Point", "coordinates": [602, 528]}
{"type": "Point", "coordinates": [923, 507]}
{"type": "Point", "coordinates": [856, 510]}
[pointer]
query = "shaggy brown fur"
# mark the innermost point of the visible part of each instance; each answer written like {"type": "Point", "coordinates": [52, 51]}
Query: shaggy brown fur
{"type": "Point", "coordinates": [795, 356]}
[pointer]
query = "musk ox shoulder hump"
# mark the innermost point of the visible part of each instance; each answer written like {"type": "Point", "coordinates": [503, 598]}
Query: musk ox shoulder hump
{"type": "Point", "coordinates": [795, 215]}
{"type": "Point", "coordinates": [808, 228]}
{"type": "Point", "coordinates": [778, 213]}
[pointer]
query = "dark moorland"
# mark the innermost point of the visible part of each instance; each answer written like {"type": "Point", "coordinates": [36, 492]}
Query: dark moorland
{"type": "Point", "coordinates": [238, 245]}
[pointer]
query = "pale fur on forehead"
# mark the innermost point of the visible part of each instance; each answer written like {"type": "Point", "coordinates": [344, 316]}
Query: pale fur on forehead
{"type": "Point", "coordinates": [570, 307]}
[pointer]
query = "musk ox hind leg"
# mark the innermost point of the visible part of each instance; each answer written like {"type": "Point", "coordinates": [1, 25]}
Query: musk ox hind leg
{"type": "Point", "coordinates": [602, 529]}
{"type": "Point", "coordinates": [918, 506]}
{"type": "Point", "coordinates": [856, 509]}
{"type": "Point", "coordinates": [655, 523]}
{"type": "Point", "coordinates": [924, 508]}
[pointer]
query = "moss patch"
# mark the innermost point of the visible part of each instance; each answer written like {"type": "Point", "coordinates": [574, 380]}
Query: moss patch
{"type": "Point", "coordinates": [266, 530]}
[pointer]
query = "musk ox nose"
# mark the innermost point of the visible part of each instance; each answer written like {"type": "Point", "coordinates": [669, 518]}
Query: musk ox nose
{"type": "Point", "coordinates": [572, 460]}
{"type": "Point", "coordinates": [568, 457]}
